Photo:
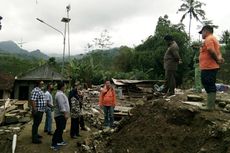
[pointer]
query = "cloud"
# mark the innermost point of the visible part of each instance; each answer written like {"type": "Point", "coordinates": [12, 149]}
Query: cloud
{"type": "Point", "coordinates": [128, 21]}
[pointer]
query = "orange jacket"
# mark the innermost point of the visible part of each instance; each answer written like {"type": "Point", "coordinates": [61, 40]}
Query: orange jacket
{"type": "Point", "coordinates": [107, 97]}
{"type": "Point", "coordinates": [206, 61]}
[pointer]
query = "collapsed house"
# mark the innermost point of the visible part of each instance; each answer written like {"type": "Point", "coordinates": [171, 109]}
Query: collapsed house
{"type": "Point", "coordinates": [135, 88]}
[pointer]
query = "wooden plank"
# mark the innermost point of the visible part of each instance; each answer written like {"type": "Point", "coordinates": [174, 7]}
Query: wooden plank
{"type": "Point", "coordinates": [194, 98]}
{"type": "Point", "coordinates": [122, 109]}
{"type": "Point", "coordinates": [21, 104]}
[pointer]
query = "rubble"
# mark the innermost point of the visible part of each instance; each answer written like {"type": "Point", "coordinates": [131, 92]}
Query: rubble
{"type": "Point", "coordinates": [14, 114]}
{"type": "Point", "coordinates": [156, 124]}
{"type": "Point", "coordinates": [167, 125]}
{"type": "Point", "coordinates": [194, 98]}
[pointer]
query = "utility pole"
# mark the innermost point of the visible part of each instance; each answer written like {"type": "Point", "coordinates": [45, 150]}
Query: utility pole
{"type": "Point", "coordinates": [65, 20]}
{"type": "Point", "coordinates": [68, 31]}
{"type": "Point", "coordinates": [0, 22]}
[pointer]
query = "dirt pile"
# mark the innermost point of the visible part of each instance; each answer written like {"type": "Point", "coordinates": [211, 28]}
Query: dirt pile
{"type": "Point", "coordinates": [161, 126]}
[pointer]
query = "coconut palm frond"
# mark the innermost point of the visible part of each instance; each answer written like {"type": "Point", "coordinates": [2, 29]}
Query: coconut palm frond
{"type": "Point", "coordinates": [193, 8]}
{"type": "Point", "coordinates": [183, 17]}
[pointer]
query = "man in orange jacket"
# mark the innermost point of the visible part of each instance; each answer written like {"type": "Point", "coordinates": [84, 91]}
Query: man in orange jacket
{"type": "Point", "coordinates": [107, 101]}
{"type": "Point", "coordinates": [209, 60]}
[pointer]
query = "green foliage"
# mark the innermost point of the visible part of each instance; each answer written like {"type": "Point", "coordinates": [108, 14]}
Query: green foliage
{"type": "Point", "coordinates": [154, 48]}
{"type": "Point", "coordinates": [14, 65]}
{"type": "Point", "coordinates": [143, 62]}
{"type": "Point", "coordinates": [124, 60]}
{"type": "Point", "coordinates": [225, 37]}
{"type": "Point", "coordinates": [223, 75]}
{"type": "Point", "coordinates": [52, 61]}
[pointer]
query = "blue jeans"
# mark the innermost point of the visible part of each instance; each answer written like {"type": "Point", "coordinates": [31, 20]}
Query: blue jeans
{"type": "Point", "coordinates": [48, 122]}
{"type": "Point", "coordinates": [108, 115]}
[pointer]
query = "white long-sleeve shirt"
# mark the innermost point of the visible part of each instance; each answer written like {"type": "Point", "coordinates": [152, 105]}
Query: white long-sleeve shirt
{"type": "Point", "coordinates": [61, 104]}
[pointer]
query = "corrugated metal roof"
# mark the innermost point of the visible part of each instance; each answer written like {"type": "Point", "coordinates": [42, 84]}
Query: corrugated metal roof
{"type": "Point", "coordinates": [121, 82]}
{"type": "Point", "coordinates": [44, 72]}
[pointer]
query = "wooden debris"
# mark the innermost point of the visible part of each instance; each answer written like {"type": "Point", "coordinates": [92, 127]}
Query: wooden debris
{"type": "Point", "coordinates": [22, 104]}
{"type": "Point", "coordinates": [227, 101]}
{"type": "Point", "coordinates": [194, 98]}
{"type": "Point", "coordinates": [120, 111]}
{"type": "Point", "coordinates": [11, 118]}
{"type": "Point", "coordinates": [199, 104]}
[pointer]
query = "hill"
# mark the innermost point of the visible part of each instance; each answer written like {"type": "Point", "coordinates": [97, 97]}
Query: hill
{"type": "Point", "coordinates": [10, 47]}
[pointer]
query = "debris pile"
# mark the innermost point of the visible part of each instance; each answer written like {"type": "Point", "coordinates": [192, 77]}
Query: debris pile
{"type": "Point", "coordinates": [13, 116]}
{"type": "Point", "coordinates": [161, 126]}
{"type": "Point", "coordinates": [14, 111]}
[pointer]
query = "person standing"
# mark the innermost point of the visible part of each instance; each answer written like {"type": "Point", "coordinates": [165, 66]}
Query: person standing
{"type": "Point", "coordinates": [82, 101]}
{"type": "Point", "coordinates": [75, 111]}
{"type": "Point", "coordinates": [107, 101]}
{"type": "Point", "coordinates": [61, 114]}
{"type": "Point", "coordinates": [209, 60]}
{"type": "Point", "coordinates": [197, 77]}
{"type": "Point", "coordinates": [38, 104]}
{"type": "Point", "coordinates": [171, 61]}
{"type": "Point", "coordinates": [49, 107]}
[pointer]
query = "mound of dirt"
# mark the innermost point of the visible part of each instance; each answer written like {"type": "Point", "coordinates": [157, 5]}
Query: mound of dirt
{"type": "Point", "coordinates": [161, 126]}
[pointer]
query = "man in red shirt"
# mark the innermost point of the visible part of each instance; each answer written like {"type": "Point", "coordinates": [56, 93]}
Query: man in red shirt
{"type": "Point", "coordinates": [209, 60]}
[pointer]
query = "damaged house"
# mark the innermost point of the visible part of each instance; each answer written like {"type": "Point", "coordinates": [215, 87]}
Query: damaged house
{"type": "Point", "coordinates": [133, 88]}
{"type": "Point", "coordinates": [25, 83]}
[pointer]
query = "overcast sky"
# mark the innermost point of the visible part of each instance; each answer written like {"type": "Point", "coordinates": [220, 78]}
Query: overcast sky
{"type": "Point", "coordinates": [128, 21]}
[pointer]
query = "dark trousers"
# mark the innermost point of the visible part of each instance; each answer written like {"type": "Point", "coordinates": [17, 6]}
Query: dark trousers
{"type": "Point", "coordinates": [37, 118]}
{"type": "Point", "coordinates": [60, 126]}
{"type": "Point", "coordinates": [82, 123]}
{"type": "Point", "coordinates": [208, 79]}
{"type": "Point", "coordinates": [170, 83]}
{"type": "Point", "coordinates": [74, 128]}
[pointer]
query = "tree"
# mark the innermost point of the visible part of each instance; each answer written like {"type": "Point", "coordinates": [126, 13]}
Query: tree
{"type": "Point", "coordinates": [225, 37]}
{"type": "Point", "coordinates": [104, 41]}
{"type": "Point", "coordinates": [209, 22]}
{"type": "Point", "coordinates": [193, 9]}
{"type": "Point", "coordinates": [52, 61]}
{"type": "Point", "coordinates": [149, 55]}
{"type": "Point", "coordinates": [123, 60]}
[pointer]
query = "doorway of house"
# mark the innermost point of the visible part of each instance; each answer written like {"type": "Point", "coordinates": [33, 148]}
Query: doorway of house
{"type": "Point", "coordinates": [23, 93]}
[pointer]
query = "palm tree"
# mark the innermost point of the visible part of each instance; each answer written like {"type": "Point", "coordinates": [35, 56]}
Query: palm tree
{"type": "Point", "coordinates": [193, 9]}
{"type": "Point", "coordinates": [209, 22]}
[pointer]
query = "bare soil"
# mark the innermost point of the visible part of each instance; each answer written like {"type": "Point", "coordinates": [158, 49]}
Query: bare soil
{"type": "Point", "coordinates": [162, 126]}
